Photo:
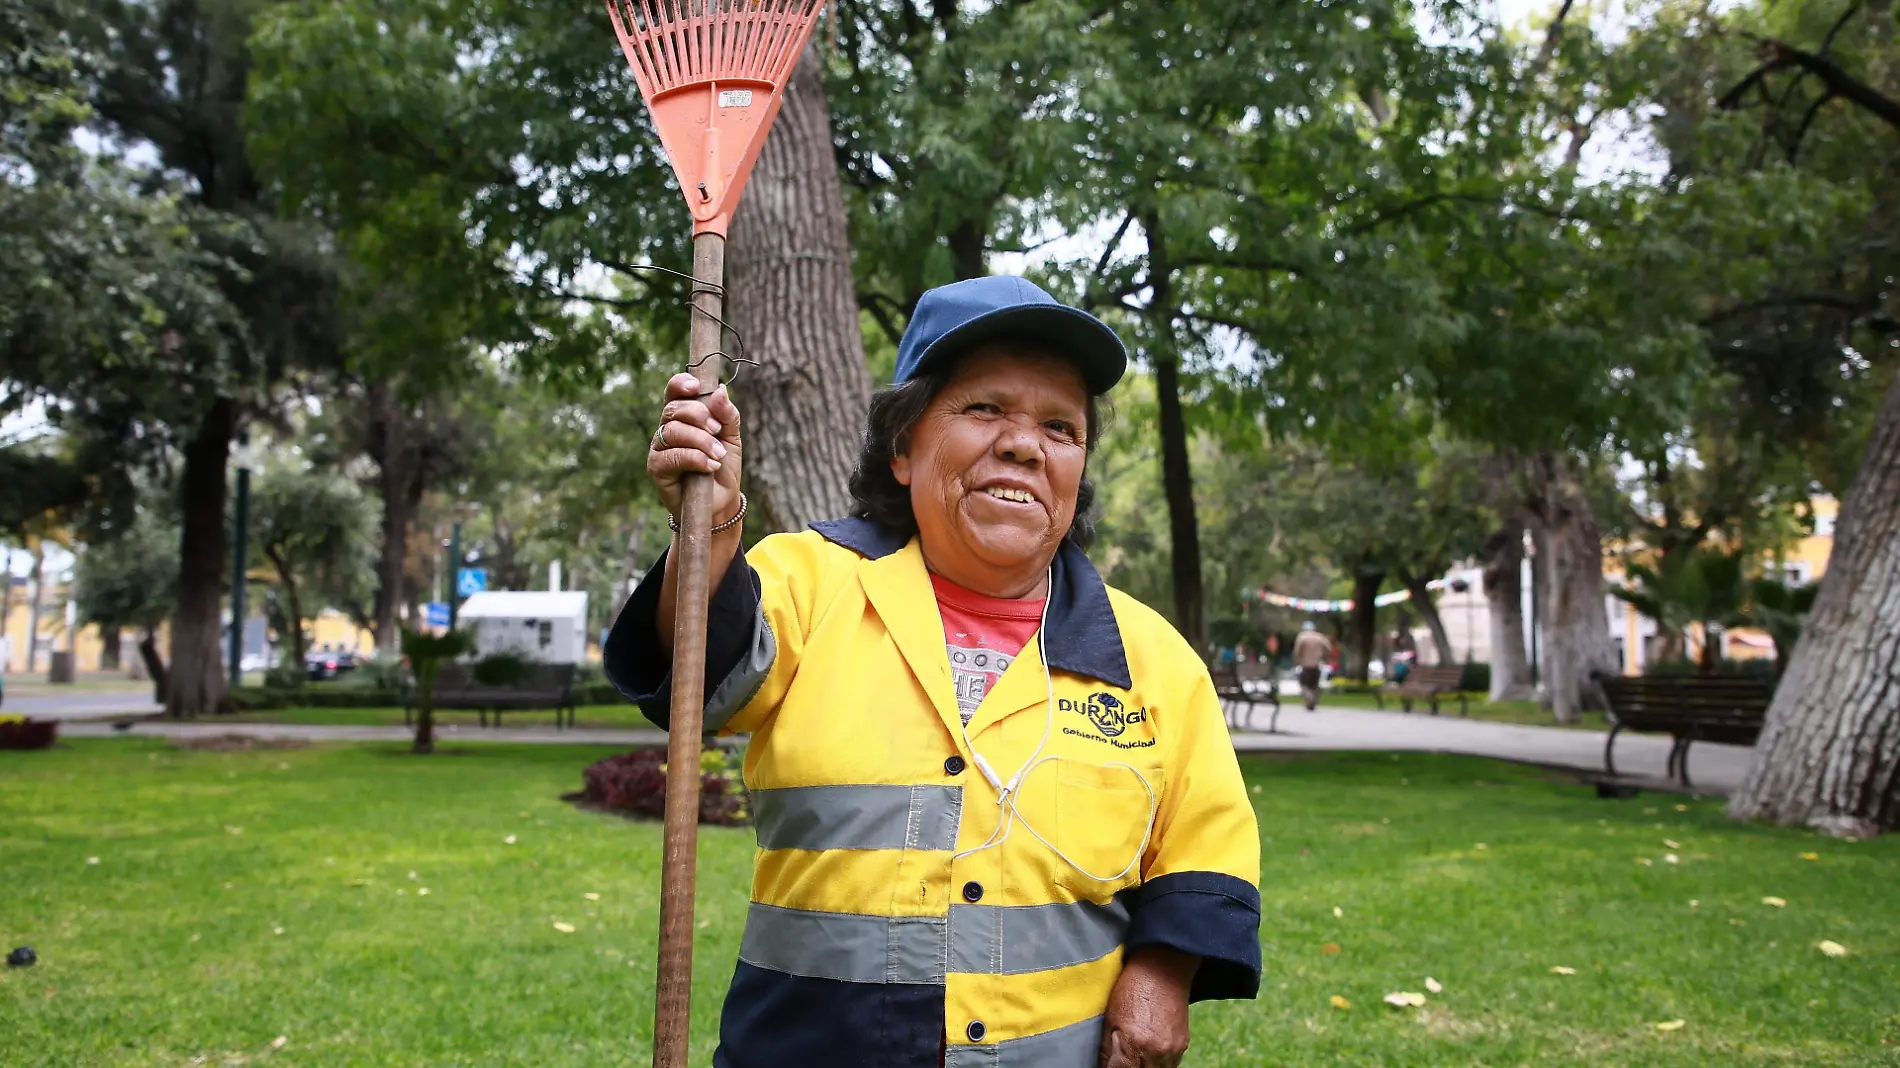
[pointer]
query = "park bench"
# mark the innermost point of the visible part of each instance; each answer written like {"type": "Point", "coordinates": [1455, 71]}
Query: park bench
{"type": "Point", "coordinates": [1243, 687]}
{"type": "Point", "coordinates": [1689, 709]}
{"type": "Point", "coordinates": [1428, 683]}
{"type": "Point", "coordinates": [546, 686]}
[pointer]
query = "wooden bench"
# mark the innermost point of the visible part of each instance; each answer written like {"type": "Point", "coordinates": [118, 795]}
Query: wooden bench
{"type": "Point", "coordinates": [1694, 708]}
{"type": "Point", "coordinates": [1243, 687]}
{"type": "Point", "coordinates": [547, 686]}
{"type": "Point", "coordinates": [1428, 683]}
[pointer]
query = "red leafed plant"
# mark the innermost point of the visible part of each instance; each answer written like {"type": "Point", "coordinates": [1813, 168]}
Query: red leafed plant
{"type": "Point", "coordinates": [635, 783]}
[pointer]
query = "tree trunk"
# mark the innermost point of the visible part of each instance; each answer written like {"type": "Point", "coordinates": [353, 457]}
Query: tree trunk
{"type": "Point", "coordinates": [154, 664]}
{"type": "Point", "coordinates": [1576, 633]}
{"type": "Point", "coordinates": [1504, 599]}
{"type": "Point", "coordinates": [395, 462]}
{"type": "Point", "coordinates": [109, 639]}
{"type": "Point", "coordinates": [794, 302]}
{"type": "Point", "coordinates": [197, 685]}
{"type": "Point", "coordinates": [1829, 757]}
{"type": "Point", "coordinates": [1177, 475]}
{"type": "Point", "coordinates": [38, 580]}
{"type": "Point", "coordinates": [1428, 611]}
{"type": "Point", "coordinates": [1365, 621]}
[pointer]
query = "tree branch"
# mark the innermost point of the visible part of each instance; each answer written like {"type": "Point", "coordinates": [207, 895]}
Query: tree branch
{"type": "Point", "coordinates": [1779, 55]}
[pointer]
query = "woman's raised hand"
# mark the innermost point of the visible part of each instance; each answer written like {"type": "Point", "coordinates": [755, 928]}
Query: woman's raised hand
{"type": "Point", "coordinates": [696, 437]}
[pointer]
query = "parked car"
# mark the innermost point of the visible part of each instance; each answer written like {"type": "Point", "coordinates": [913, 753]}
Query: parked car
{"type": "Point", "coordinates": [321, 666]}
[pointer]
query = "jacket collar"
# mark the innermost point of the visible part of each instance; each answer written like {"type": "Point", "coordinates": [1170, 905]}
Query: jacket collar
{"type": "Point", "coordinates": [1083, 637]}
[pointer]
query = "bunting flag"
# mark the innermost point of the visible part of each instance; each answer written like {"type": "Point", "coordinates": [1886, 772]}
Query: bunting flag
{"type": "Point", "coordinates": [1322, 606]}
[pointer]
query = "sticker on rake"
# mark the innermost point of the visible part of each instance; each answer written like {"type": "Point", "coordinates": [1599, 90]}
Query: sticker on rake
{"type": "Point", "coordinates": [735, 98]}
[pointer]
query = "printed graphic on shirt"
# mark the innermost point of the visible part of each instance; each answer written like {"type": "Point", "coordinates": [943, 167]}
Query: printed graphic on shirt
{"type": "Point", "coordinates": [975, 671]}
{"type": "Point", "coordinates": [1110, 717]}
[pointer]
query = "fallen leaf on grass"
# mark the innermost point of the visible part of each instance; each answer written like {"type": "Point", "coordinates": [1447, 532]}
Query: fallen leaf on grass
{"type": "Point", "coordinates": [276, 930]}
{"type": "Point", "coordinates": [564, 928]}
{"type": "Point", "coordinates": [1558, 969]}
{"type": "Point", "coordinates": [591, 897]}
{"type": "Point", "coordinates": [1256, 788]}
{"type": "Point", "coordinates": [1405, 999]}
{"type": "Point", "coordinates": [1671, 843]}
{"type": "Point", "coordinates": [510, 840]}
{"type": "Point", "coordinates": [1777, 902]}
{"type": "Point", "coordinates": [1338, 913]}
{"type": "Point", "coordinates": [1831, 948]}
{"type": "Point", "coordinates": [279, 1042]}
{"type": "Point", "coordinates": [703, 924]}
{"type": "Point", "coordinates": [1341, 1003]}
{"type": "Point", "coordinates": [1672, 1025]}
{"type": "Point", "coordinates": [413, 877]}
{"type": "Point", "coordinates": [1481, 846]}
{"type": "Point", "coordinates": [1646, 862]}
{"type": "Point", "coordinates": [359, 882]}
{"type": "Point", "coordinates": [228, 829]}
{"type": "Point", "coordinates": [424, 892]}
{"type": "Point", "coordinates": [1671, 858]}
{"type": "Point", "coordinates": [1810, 856]}
{"type": "Point", "coordinates": [1434, 986]}
{"type": "Point", "coordinates": [1682, 808]}
{"type": "Point", "coordinates": [1330, 949]}
{"type": "Point", "coordinates": [1694, 904]}
{"type": "Point", "coordinates": [92, 860]}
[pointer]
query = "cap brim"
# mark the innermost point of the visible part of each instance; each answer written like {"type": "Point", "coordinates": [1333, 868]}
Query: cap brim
{"type": "Point", "coordinates": [1070, 331]}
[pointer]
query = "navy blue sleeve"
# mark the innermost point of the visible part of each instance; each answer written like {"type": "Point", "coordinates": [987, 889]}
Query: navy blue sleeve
{"type": "Point", "coordinates": [1209, 915]}
{"type": "Point", "coordinates": [736, 637]}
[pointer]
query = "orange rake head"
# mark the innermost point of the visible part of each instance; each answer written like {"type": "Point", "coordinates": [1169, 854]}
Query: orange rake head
{"type": "Point", "coordinates": [713, 73]}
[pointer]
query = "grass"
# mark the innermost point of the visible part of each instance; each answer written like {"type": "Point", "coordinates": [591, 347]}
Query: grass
{"type": "Point", "coordinates": [1481, 875]}
{"type": "Point", "coordinates": [621, 716]}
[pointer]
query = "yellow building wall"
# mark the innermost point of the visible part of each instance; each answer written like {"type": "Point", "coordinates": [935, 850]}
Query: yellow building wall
{"type": "Point", "coordinates": [52, 631]}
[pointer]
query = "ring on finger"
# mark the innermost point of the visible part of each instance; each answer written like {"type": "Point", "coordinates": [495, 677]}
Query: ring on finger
{"type": "Point", "coordinates": [659, 439]}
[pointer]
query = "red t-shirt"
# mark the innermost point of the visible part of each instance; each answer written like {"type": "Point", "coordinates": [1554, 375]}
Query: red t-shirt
{"type": "Point", "coordinates": [983, 635]}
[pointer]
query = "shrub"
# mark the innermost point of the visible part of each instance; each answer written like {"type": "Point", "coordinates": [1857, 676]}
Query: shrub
{"type": "Point", "coordinates": [635, 783]}
{"type": "Point", "coordinates": [597, 693]}
{"type": "Point", "coordinates": [379, 673]}
{"type": "Point", "coordinates": [285, 675]}
{"type": "Point", "coordinates": [1476, 678]}
{"type": "Point", "coordinates": [502, 669]}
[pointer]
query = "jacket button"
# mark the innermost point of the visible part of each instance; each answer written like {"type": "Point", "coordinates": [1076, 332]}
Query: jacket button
{"type": "Point", "coordinates": [973, 892]}
{"type": "Point", "coordinates": [976, 1030]}
{"type": "Point", "coordinates": [953, 766]}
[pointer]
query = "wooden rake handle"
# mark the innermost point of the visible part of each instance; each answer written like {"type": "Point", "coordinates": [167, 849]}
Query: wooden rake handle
{"type": "Point", "coordinates": [672, 1012]}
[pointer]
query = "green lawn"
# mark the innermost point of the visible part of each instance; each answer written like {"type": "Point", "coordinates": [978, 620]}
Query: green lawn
{"type": "Point", "coordinates": [1525, 712]}
{"type": "Point", "coordinates": [242, 896]}
{"type": "Point", "coordinates": [615, 716]}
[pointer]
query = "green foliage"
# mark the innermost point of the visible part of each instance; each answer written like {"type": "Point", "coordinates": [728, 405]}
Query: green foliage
{"type": "Point", "coordinates": [426, 654]}
{"type": "Point", "coordinates": [130, 581]}
{"type": "Point", "coordinates": [506, 668]}
{"type": "Point", "coordinates": [315, 532]}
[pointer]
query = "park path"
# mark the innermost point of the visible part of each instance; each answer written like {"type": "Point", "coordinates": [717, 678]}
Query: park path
{"type": "Point", "coordinates": [1715, 769]}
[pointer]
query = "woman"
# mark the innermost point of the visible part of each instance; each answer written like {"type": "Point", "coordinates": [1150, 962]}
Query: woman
{"type": "Point", "coordinates": [1000, 821]}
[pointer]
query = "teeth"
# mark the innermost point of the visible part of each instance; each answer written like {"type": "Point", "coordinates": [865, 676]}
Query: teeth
{"type": "Point", "coordinates": [1008, 494]}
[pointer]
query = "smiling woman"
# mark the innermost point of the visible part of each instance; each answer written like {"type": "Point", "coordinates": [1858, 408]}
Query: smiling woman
{"type": "Point", "coordinates": [929, 889]}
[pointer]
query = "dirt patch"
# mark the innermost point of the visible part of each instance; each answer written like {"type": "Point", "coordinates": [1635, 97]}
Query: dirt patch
{"type": "Point", "coordinates": [238, 743]}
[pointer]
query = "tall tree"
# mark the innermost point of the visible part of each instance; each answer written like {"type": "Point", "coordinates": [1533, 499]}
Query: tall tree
{"type": "Point", "coordinates": [312, 529]}
{"type": "Point", "coordinates": [788, 272]}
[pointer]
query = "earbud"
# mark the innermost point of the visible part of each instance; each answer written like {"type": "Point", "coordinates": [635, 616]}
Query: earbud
{"type": "Point", "coordinates": [989, 773]}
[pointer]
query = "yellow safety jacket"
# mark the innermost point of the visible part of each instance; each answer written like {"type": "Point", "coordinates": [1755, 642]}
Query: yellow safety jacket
{"type": "Point", "coordinates": [879, 929]}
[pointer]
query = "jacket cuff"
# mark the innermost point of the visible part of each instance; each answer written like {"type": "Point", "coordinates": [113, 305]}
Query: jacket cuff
{"type": "Point", "coordinates": [1205, 914]}
{"type": "Point", "coordinates": [740, 647]}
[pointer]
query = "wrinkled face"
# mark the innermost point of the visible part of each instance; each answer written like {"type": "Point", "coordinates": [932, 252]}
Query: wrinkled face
{"type": "Point", "coordinates": [995, 462]}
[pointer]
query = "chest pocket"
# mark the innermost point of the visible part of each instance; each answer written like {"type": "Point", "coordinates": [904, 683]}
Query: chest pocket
{"type": "Point", "coordinates": [1101, 814]}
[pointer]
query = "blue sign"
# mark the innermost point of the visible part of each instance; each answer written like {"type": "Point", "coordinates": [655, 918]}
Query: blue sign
{"type": "Point", "coordinates": [436, 613]}
{"type": "Point", "coordinates": [470, 581]}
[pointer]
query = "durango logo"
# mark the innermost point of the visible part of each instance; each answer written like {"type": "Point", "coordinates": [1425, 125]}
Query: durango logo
{"type": "Point", "coordinates": [1106, 712]}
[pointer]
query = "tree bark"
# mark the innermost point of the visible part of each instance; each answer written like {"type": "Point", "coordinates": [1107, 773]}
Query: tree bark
{"type": "Point", "coordinates": [1428, 611]}
{"type": "Point", "coordinates": [154, 664]}
{"type": "Point", "coordinates": [1365, 621]}
{"type": "Point", "coordinates": [396, 464]}
{"type": "Point", "coordinates": [793, 301]}
{"type": "Point", "coordinates": [108, 649]}
{"type": "Point", "coordinates": [1576, 633]}
{"type": "Point", "coordinates": [1829, 757]}
{"type": "Point", "coordinates": [1177, 474]}
{"type": "Point", "coordinates": [197, 685]}
{"type": "Point", "coordinates": [1504, 599]}
{"type": "Point", "coordinates": [293, 605]}
{"type": "Point", "coordinates": [38, 580]}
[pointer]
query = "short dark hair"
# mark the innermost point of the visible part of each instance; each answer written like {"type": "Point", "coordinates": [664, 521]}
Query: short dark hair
{"type": "Point", "coordinates": [878, 496]}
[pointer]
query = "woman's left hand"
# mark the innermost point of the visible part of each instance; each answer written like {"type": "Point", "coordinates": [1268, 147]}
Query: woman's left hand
{"type": "Point", "coordinates": [1147, 1020]}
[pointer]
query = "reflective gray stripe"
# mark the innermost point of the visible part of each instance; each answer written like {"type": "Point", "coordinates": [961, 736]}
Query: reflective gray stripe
{"type": "Point", "coordinates": [859, 817]}
{"type": "Point", "coordinates": [837, 945]}
{"type": "Point", "coordinates": [742, 683]}
{"type": "Point", "coordinates": [1078, 1045]}
{"type": "Point", "coordinates": [1012, 939]}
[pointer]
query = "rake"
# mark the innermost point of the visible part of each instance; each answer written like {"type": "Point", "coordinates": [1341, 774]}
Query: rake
{"type": "Point", "coordinates": [712, 73]}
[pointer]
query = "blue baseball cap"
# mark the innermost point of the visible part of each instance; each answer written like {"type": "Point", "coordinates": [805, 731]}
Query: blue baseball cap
{"type": "Point", "coordinates": [950, 320]}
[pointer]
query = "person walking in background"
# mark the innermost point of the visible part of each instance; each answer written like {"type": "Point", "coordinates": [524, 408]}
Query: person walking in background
{"type": "Point", "coordinates": [1310, 650]}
